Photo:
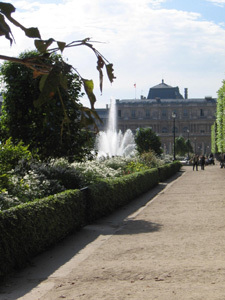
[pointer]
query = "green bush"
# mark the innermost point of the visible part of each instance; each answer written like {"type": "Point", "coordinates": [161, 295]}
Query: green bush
{"type": "Point", "coordinates": [108, 194]}
{"type": "Point", "coordinates": [134, 167]}
{"type": "Point", "coordinates": [30, 228]}
{"type": "Point", "coordinates": [168, 170]}
{"type": "Point", "coordinates": [10, 155]}
{"type": "Point", "coordinates": [150, 159]}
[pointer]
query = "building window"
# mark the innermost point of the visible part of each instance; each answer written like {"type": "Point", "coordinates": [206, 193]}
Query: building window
{"type": "Point", "coordinates": [126, 115]}
{"type": "Point", "coordinates": [185, 129]}
{"type": "Point", "coordinates": [119, 113]}
{"type": "Point", "coordinates": [201, 112]}
{"type": "Point", "coordinates": [164, 130]}
{"type": "Point", "coordinates": [139, 114]}
{"type": "Point", "coordinates": [155, 115]}
{"type": "Point", "coordinates": [185, 113]}
{"type": "Point", "coordinates": [147, 113]}
{"type": "Point", "coordinates": [164, 113]}
{"type": "Point", "coordinates": [133, 114]}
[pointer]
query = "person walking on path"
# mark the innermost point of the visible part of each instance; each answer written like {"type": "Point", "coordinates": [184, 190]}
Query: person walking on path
{"type": "Point", "coordinates": [202, 162]}
{"type": "Point", "coordinates": [195, 162]}
{"type": "Point", "coordinates": [222, 160]}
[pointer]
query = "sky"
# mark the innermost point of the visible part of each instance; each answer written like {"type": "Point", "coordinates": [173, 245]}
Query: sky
{"type": "Point", "coordinates": [180, 41]}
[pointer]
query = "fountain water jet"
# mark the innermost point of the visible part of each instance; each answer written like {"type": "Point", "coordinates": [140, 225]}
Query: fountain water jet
{"type": "Point", "coordinates": [112, 143]}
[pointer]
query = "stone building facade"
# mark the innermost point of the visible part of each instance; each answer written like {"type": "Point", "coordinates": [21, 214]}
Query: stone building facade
{"type": "Point", "coordinates": [193, 121]}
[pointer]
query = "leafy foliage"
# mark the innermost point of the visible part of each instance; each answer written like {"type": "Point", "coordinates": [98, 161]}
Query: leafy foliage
{"type": "Point", "coordinates": [53, 75]}
{"type": "Point", "coordinates": [149, 159]}
{"type": "Point", "coordinates": [54, 128]}
{"type": "Point", "coordinates": [220, 120]}
{"type": "Point", "coordinates": [10, 155]}
{"type": "Point", "coordinates": [182, 146]}
{"type": "Point", "coordinates": [146, 140]}
{"type": "Point", "coordinates": [213, 138]}
{"type": "Point", "coordinates": [32, 179]}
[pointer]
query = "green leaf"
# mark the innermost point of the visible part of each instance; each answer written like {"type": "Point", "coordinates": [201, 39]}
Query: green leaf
{"type": "Point", "coordinates": [42, 81]}
{"type": "Point", "coordinates": [100, 65]}
{"type": "Point", "coordinates": [48, 86]}
{"type": "Point", "coordinates": [42, 45]}
{"type": "Point", "coordinates": [61, 46]}
{"type": "Point", "coordinates": [5, 29]}
{"type": "Point", "coordinates": [110, 70]}
{"type": "Point", "coordinates": [92, 112]}
{"type": "Point", "coordinates": [89, 87]}
{"type": "Point", "coordinates": [32, 32]}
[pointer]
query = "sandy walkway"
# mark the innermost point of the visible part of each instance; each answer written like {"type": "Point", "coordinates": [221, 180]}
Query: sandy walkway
{"type": "Point", "coordinates": [172, 247]}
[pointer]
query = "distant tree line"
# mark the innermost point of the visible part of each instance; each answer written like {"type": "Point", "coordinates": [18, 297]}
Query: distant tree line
{"type": "Point", "coordinates": [218, 128]}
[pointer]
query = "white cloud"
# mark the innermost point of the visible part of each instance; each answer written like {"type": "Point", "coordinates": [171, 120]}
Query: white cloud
{"type": "Point", "coordinates": [145, 43]}
{"type": "Point", "coordinates": [220, 3]}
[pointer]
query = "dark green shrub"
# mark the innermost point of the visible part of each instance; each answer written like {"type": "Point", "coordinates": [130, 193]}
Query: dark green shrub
{"type": "Point", "coordinates": [30, 228]}
{"type": "Point", "coordinates": [107, 195]}
{"type": "Point", "coordinates": [69, 177]}
{"type": "Point", "coordinates": [168, 170]}
{"type": "Point", "coordinates": [10, 155]}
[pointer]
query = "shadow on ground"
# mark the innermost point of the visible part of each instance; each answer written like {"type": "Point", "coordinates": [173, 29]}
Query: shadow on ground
{"type": "Point", "coordinates": [139, 226]}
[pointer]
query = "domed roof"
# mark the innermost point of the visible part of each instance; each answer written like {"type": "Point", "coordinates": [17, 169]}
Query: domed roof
{"type": "Point", "coordinates": [162, 85]}
{"type": "Point", "coordinates": [164, 91]}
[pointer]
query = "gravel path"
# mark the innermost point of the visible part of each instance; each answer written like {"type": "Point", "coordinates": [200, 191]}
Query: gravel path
{"type": "Point", "coordinates": [169, 244]}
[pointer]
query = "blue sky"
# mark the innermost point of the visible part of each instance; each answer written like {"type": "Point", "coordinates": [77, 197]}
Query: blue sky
{"type": "Point", "coordinates": [180, 41]}
{"type": "Point", "coordinates": [209, 10]}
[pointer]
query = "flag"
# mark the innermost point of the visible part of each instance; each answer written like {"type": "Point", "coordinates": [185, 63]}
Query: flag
{"type": "Point", "coordinates": [135, 85]}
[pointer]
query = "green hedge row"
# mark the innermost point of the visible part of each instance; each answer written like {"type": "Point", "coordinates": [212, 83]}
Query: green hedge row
{"type": "Point", "coordinates": [168, 170]}
{"type": "Point", "coordinates": [30, 228]}
{"type": "Point", "coordinates": [108, 195]}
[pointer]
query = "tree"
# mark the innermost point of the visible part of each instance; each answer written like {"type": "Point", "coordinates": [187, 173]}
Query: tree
{"type": "Point", "coordinates": [189, 146]}
{"type": "Point", "coordinates": [54, 128]}
{"type": "Point", "coordinates": [146, 140]}
{"type": "Point", "coordinates": [182, 146]}
{"type": "Point", "coordinates": [220, 120]}
{"type": "Point", "coordinates": [53, 75]}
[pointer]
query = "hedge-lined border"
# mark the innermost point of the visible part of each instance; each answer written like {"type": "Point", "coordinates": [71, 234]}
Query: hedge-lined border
{"type": "Point", "coordinates": [30, 228]}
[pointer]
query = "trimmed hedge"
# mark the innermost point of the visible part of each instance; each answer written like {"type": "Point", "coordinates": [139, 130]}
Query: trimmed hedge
{"type": "Point", "coordinates": [30, 228]}
{"type": "Point", "coordinates": [107, 195]}
{"type": "Point", "coordinates": [169, 170]}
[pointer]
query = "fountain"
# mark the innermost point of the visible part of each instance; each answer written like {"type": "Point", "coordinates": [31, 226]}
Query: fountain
{"type": "Point", "coordinates": [111, 143]}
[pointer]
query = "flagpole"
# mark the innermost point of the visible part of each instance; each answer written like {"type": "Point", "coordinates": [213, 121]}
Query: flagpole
{"type": "Point", "coordinates": [135, 90]}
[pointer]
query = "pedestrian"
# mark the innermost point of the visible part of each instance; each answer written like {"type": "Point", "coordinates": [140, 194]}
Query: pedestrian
{"type": "Point", "coordinates": [211, 159]}
{"type": "Point", "coordinates": [202, 162]}
{"type": "Point", "coordinates": [195, 162]}
{"type": "Point", "coordinates": [222, 161]}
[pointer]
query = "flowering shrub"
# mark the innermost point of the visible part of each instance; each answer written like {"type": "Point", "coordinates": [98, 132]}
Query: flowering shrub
{"type": "Point", "coordinates": [95, 170]}
{"type": "Point", "coordinates": [35, 180]}
{"type": "Point", "coordinates": [117, 162]}
{"type": "Point", "coordinates": [10, 155]}
{"type": "Point", "coordinates": [135, 166]}
{"type": "Point", "coordinates": [33, 186]}
{"type": "Point", "coordinates": [150, 159]}
{"type": "Point", "coordinates": [7, 201]}
{"type": "Point", "coordinates": [32, 179]}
